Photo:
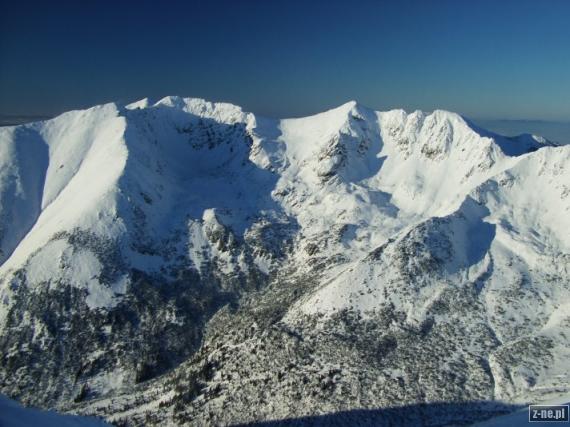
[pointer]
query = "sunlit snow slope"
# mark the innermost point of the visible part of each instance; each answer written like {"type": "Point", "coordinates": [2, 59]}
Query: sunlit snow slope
{"type": "Point", "coordinates": [136, 176]}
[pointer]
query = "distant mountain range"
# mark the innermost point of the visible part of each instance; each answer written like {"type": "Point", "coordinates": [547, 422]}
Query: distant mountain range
{"type": "Point", "coordinates": [187, 262]}
{"type": "Point", "coordinates": [19, 120]}
{"type": "Point", "coordinates": [555, 131]}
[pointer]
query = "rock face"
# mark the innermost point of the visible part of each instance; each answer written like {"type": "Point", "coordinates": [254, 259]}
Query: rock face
{"type": "Point", "coordinates": [187, 262]}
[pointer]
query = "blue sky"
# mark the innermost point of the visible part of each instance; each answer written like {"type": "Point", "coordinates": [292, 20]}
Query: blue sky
{"type": "Point", "coordinates": [486, 59]}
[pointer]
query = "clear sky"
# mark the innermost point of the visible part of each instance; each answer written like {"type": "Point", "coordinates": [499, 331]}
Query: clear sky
{"type": "Point", "coordinates": [507, 59]}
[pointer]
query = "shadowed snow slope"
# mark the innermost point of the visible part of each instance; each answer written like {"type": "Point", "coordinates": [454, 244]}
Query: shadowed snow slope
{"type": "Point", "coordinates": [128, 232]}
{"type": "Point", "coordinates": [14, 415]}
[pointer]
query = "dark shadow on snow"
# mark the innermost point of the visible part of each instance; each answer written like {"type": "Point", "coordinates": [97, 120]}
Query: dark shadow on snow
{"type": "Point", "coordinates": [415, 415]}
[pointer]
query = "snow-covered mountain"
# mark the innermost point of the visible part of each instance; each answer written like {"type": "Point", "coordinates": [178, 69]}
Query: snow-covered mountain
{"type": "Point", "coordinates": [178, 260]}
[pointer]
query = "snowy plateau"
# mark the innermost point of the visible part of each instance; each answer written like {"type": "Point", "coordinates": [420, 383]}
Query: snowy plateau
{"type": "Point", "coordinates": [182, 262]}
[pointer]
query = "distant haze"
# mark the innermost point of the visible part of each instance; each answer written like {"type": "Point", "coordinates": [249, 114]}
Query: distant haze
{"type": "Point", "coordinates": [18, 120]}
{"type": "Point", "coordinates": [554, 131]}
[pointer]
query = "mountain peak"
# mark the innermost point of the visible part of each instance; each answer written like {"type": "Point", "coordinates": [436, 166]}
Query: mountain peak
{"type": "Point", "coordinates": [222, 111]}
{"type": "Point", "coordinates": [349, 105]}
